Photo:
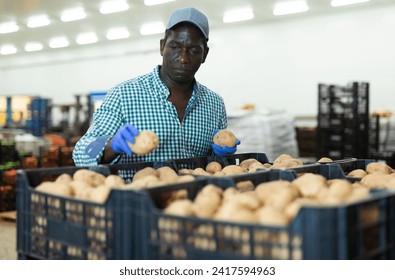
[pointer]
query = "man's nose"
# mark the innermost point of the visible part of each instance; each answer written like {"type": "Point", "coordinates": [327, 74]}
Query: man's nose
{"type": "Point", "coordinates": [184, 56]}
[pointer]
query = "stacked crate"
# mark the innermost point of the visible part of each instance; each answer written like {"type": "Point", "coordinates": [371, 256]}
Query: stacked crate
{"type": "Point", "coordinates": [39, 116]}
{"type": "Point", "coordinates": [343, 121]}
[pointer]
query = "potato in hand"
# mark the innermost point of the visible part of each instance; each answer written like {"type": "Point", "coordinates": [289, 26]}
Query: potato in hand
{"type": "Point", "coordinates": [145, 142]}
{"type": "Point", "coordinates": [225, 137]}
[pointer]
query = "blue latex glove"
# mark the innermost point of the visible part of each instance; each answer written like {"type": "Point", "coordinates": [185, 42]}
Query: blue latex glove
{"type": "Point", "coordinates": [125, 134]}
{"type": "Point", "coordinates": [223, 151]}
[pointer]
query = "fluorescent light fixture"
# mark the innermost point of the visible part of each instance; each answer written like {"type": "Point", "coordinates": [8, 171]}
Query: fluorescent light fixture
{"type": "Point", "coordinates": [72, 15]}
{"type": "Point", "coordinates": [8, 49]}
{"type": "Point", "coordinates": [152, 28]}
{"type": "Point", "coordinates": [117, 33]}
{"type": "Point", "coordinates": [8, 27]}
{"type": "Point", "coordinates": [86, 38]}
{"type": "Point", "coordinates": [33, 47]}
{"type": "Point", "coordinates": [110, 7]}
{"type": "Point", "coordinates": [290, 7]}
{"type": "Point", "coordinates": [156, 2]}
{"type": "Point", "coordinates": [238, 15]}
{"type": "Point", "coordinates": [58, 42]}
{"type": "Point", "coordinates": [338, 3]}
{"type": "Point", "coordinates": [38, 21]}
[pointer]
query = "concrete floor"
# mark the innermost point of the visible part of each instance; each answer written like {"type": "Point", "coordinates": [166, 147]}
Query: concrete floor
{"type": "Point", "coordinates": [8, 240]}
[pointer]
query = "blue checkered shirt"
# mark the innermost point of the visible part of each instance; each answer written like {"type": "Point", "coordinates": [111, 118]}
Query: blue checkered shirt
{"type": "Point", "coordinates": [142, 102]}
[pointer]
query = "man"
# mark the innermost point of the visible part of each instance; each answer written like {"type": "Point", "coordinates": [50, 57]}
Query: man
{"type": "Point", "coordinates": [169, 101]}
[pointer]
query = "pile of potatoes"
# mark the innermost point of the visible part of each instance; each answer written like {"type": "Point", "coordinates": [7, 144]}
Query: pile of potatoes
{"type": "Point", "coordinates": [274, 203]}
{"type": "Point", "coordinates": [89, 185]}
{"type": "Point", "coordinates": [270, 203]}
{"type": "Point", "coordinates": [375, 175]}
{"type": "Point", "coordinates": [214, 168]}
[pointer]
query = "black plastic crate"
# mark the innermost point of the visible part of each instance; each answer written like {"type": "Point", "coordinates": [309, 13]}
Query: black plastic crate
{"type": "Point", "coordinates": [127, 170]}
{"type": "Point", "coordinates": [357, 230]}
{"type": "Point", "coordinates": [233, 159]}
{"type": "Point", "coordinates": [348, 165]}
{"type": "Point", "coordinates": [60, 227]}
{"type": "Point", "coordinates": [329, 171]}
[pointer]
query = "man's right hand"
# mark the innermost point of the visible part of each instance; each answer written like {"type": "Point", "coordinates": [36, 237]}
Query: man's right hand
{"type": "Point", "coordinates": [124, 135]}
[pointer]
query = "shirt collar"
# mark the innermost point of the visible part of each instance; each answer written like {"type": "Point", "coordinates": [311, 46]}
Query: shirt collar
{"type": "Point", "coordinates": [163, 89]}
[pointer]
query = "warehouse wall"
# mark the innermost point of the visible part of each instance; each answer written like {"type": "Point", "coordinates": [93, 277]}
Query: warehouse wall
{"type": "Point", "coordinates": [274, 65]}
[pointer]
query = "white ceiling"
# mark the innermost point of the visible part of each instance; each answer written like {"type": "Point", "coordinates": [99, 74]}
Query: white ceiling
{"type": "Point", "coordinates": [138, 13]}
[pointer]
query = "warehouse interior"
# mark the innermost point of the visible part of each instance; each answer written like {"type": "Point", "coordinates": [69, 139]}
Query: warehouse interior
{"type": "Point", "coordinates": [311, 83]}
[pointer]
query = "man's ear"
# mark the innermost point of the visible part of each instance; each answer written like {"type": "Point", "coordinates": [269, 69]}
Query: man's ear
{"type": "Point", "coordinates": [162, 46]}
{"type": "Point", "coordinates": [205, 54]}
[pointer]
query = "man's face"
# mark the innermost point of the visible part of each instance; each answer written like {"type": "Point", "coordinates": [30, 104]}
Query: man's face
{"type": "Point", "coordinates": [183, 52]}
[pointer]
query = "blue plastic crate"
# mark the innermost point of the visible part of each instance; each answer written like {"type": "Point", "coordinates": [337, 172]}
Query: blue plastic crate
{"type": "Point", "coordinates": [59, 227]}
{"type": "Point", "coordinates": [357, 230]}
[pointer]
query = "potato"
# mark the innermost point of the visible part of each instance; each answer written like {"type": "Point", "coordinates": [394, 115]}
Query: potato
{"type": "Point", "coordinates": [310, 184]}
{"type": "Point", "coordinates": [144, 172]}
{"type": "Point", "coordinates": [65, 179]}
{"type": "Point", "coordinates": [144, 143]}
{"type": "Point", "coordinates": [325, 159]}
{"type": "Point", "coordinates": [200, 171]}
{"type": "Point", "coordinates": [257, 165]}
{"type": "Point", "coordinates": [245, 185]}
{"type": "Point", "coordinates": [181, 207]}
{"type": "Point", "coordinates": [247, 163]}
{"type": "Point", "coordinates": [269, 216]}
{"type": "Point", "coordinates": [91, 177]}
{"type": "Point", "coordinates": [213, 167]}
{"type": "Point", "coordinates": [233, 170]}
{"type": "Point", "coordinates": [281, 158]}
{"type": "Point", "coordinates": [185, 178]}
{"type": "Point", "coordinates": [167, 174]}
{"type": "Point", "coordinates": [378, 180]}
{"type": "Point", "coordinates": [357, 173]}
{"type": "Point", "coordinates": [54, 188]}
{"type": "Point", "coordinates": [248, 200]}
{"type": "Point", "coordinates": [378, 167]}
{"type": "Point", "coordinates": [225, 137]}
{"type": "Point", "coordinates": [99, 194]}
{"type": "Point", "coordinates": [340, 188]}
{"type": "Point", "coordinates": [287, 163]}
{"type": "Point", "coordinates": [114, 181]}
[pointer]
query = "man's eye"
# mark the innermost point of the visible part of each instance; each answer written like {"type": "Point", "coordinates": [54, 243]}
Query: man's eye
{"type": "Point", "coordinates": [195, 51]}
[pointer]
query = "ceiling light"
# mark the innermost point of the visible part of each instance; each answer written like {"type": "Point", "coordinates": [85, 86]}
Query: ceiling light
{"type": "Point", "coordinates": [152, 28]}
{"type": "Point", "coordinates": [238, 15]}
{"type": "Point", "coordinates": [33, 47]}
{"type": "Point", "coordinates": [8, 49]}
{"type": "Point", "coordinates": [8, 27]}
{"type": "Point", "coordinates": [117, 33]}
{"type": "Point", "coordinates": [86, 38]}
{"type": "Point", "coordinates": [338, 3]}
{"type": "Point", "coordinates": [156, 2]}
{"type": "Point", "coordinates": [59, 42]}
{"type": "Point", "coordinates": [38, 21]}
{"type": "Point", "coordinates": [110, 7]}
{"type": "Point", "coordinates": [73, 14]}
{"type": "Point", "coordinates": [290, 7]}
